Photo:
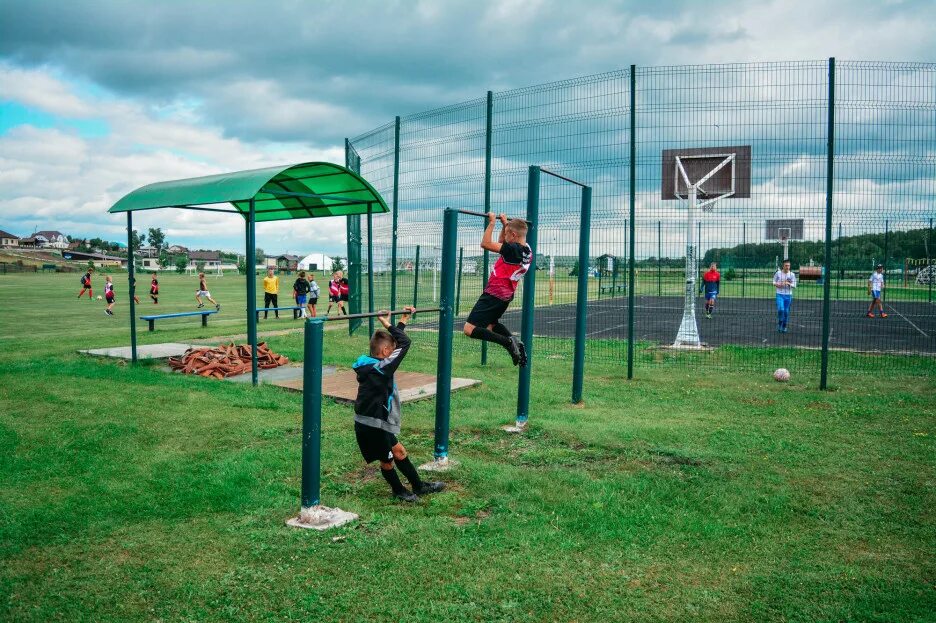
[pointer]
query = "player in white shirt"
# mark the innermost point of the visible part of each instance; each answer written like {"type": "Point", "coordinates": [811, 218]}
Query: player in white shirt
{"type": "Point", "coordinates": [784, 281]}
{"type": "Point", "coordinates": [875, 288]}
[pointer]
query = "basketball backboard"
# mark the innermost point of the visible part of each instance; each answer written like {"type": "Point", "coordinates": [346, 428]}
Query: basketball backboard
{"type": "Point", "coordinates": [774, 229]}
{"type": "Point", "coordinates": [731, 181]}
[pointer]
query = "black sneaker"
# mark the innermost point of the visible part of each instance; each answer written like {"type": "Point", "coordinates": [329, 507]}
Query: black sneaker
{"type": "Point", "coordinates": [218, 307]}
{"type": "Point", "coordinates": [429, 487]}
{"type": "Point", "coordinates": [516, 350]}
{"type": "Point", "coordinates": [406, 496]}
{"type": "Point", "coordinates": [199, 306]}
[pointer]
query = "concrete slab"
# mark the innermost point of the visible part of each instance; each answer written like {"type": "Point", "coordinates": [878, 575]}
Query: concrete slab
{"type": "Point", "coordinates": [145, 351]}
{"type": "Point", "coordinates": [321, 518]}
{"type": "Point", "coordinates": [342, 386]}
{"type": "Point", "coordinates": [282, 376]}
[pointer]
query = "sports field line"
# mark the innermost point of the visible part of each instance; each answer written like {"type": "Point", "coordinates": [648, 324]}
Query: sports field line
{"type": "Point", "coordinates": [922, 332]}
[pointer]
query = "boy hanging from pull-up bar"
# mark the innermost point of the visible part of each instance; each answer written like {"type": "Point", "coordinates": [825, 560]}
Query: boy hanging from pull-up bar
{"type": "Point", "coordinates": [483, 322]}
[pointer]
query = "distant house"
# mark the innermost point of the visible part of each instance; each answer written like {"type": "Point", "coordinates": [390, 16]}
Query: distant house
{"type": "Point", "coordinates": [211, 259]}
{"type": "Point", "coordinates": [147, 251]}
{"type": "Point", "coordinates": [51, 239]}
{"type": "Point", "coordinates": [8, 240]}
{"type": "Point", "coordinates": [287, 262]}
{"type": "Point", "coordinates": [177, 249]}
{"type": "Point", "coordinates": [29, 242]}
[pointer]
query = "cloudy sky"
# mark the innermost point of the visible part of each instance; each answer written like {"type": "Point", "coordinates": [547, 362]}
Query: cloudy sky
{"type": "Point", "coordinates": [98, 98]}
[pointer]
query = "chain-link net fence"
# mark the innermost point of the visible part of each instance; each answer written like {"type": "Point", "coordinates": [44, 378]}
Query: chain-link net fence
{"type": "Point", "coordinates": [883, 206]}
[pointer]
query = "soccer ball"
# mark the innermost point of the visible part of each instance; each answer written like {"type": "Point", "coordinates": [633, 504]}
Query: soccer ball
{"type": "Point", "coordinates": [99, 297]}
{"type": "Point", "coordinates": [781, 375]}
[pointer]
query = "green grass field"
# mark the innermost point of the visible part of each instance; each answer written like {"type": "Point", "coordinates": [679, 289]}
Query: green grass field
{"type": "Point", "coordinates": [688, 494]}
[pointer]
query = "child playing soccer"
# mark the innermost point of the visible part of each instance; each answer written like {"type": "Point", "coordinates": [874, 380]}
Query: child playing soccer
{"type": "Point", "coordinates": [710, 283]}
{"type": "Point", "coordinates": [875, 287]}
{"type": "Point", "coordinates": [314, 291]}
{"type": "Point", "coordinates": [154, 290]}
{"type": "Point", "coordinates": [86, 284]}
{"type": "Point", "coordinates": [334, 292]}
{"type": "Point", "coordinates": [109, 295]}
{"type": "Point", "coordinates": [377, 411]}
{"type": "Point", "coordinates": [483, 322]}
{"type": "Point", "coordinates": [344, 293]}
{"type": "Point", "coordinates": [203, 291]}
{"type": "Point", "coordinates": [301, 293]}
{"type": "Point", "coordinates": [270, 293]}
{"type": "Point", "coordinates": [784, 281]}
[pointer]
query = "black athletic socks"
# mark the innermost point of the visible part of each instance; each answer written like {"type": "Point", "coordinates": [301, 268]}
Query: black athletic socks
{"type": "Point", "coordinates": [480, 333]}
{"type": "Point", "coordinates": [393, 479]}
{"type": "Point", "coordinates": [406, 466]}
{"type": "Point", "coordinates": [501, 329]}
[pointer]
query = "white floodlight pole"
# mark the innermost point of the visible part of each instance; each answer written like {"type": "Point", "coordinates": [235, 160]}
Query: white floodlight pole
{"type": "Point", "coordinates": [688, 334]}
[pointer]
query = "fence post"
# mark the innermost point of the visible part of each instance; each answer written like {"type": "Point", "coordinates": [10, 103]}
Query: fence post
{"type": "Point", "coordinates": [131, 287]}
{"type": "Point", "coordinates": [659, 258]}
{"type": "Point", "coordinates": [529, 300]}
{"type": "Point", "coordinates": [461, 257]}
{"type": "Point", "coordinates": [581, 300]}
{"type": "Point", "coordinates": [633, 222]}
{"type": "Point", "coordinates": [826, 286]}
{"type": "Point", "coordinates": [446, 324]}
{"type": "Point", "coordinates": [838, 263]}
{"type": "Point", "coordinates": [252, 289]}
{"type": "Point", "coordinates": [743, 257]}
{"type": "Point", "coordinates": [370, 268]}
{"type": "Point", "coordinates": [489, 118]}
{"type": "Point", "coordinates": [929, 262]}
{"type": "Point", "coordinates": [886, 237]}
{"type": "Point", "coordinates": [396, 199]}
{"type": "Point", "coordinates": [416, 278]}
{"type": "Point", "coordinates": [312, 412]}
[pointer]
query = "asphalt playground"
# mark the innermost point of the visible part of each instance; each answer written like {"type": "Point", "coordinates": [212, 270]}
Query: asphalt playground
{"type": "Point", "coordinates": [909, 327]}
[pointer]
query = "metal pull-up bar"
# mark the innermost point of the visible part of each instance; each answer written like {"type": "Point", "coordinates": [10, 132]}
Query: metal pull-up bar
{"type": "Point", "coordinates": [483, 215]}
{"type": "Point", "coordinates": [376, 314]}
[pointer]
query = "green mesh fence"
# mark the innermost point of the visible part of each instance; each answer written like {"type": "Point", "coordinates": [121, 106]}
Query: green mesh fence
{"type": "Point", "coordinates": [884, 203]}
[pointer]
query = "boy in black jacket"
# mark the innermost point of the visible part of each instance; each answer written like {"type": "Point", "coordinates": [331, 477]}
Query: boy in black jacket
{"type": "Point", "coordinates": [377, 412]}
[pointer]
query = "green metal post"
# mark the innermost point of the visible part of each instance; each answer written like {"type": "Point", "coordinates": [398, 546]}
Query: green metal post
{"type": "Point", "coordinates": [461, 258]}
{"type": "Point", "coordinates": [370, 268]}
{"type": "Point", "coordinates": [744, 255]}
{"type": "Point", "coordinates": [581, 298]}
{"type": "Point", "coordinates": [354, 247]}
{"type": "Point", "coordinates": [886, 236]}
{"type": "Point", "coordinates": [396, 199]}
{"type": "Point", "coordinates": [488, 132]}
{"type": "Point", "coordinates": [312, 412]}
{"type": "Point", "coordinates": [252, 290]}
{"type": "Point", "coordinates": [416, 278]}
{"type": "Point", "coordinates": [838, 263]}
{"type": "Point", "coordinates": [600, 276]}
{"type": "Point", "coordinates": [826, 289]}
{"type": "Point", "coordinates": [446, 327]}
{"type": "Point", "coordinates": [929, 262]}
{"type": "Point", "coordinates": [131, 283]}
{"type": "Point", "coordinates": [529, 300]}
{"type": "Point", "coordinates": [659, 259]}
{"type": "Point", "coordinates": [633, 220]}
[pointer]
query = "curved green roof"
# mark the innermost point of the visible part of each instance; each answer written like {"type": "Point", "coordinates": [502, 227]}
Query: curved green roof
{"type": "Point", "coordinates": [307, 190]}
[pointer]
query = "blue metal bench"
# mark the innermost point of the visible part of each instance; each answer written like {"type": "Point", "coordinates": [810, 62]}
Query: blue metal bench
{"type": "Point", "coordinates": [260, 310]}
{"type": "Point", "coordinates": [204, 317]}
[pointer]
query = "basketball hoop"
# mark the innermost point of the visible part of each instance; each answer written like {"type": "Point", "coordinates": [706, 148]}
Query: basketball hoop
{"type": "Point", "coordinates": [701, 177]}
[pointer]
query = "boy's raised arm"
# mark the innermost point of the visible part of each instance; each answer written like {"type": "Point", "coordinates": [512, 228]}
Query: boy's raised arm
{"type": "Point", "coordinates": [487, 241]}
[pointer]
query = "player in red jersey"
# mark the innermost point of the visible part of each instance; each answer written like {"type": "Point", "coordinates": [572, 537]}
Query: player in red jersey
{"type": "Point", "coordinates": [516, 256]}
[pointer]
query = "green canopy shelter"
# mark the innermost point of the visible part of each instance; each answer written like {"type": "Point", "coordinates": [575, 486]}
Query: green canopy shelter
{"type": "Point", "coordinates": [307, 190]}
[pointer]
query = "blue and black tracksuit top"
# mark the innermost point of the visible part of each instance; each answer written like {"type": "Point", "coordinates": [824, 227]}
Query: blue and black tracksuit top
{"type": "Point", "coordinates": [378, 401]}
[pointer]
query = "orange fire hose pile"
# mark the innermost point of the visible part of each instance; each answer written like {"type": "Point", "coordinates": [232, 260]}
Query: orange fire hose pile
{"type": "Point", "coordinates": [225, 360]}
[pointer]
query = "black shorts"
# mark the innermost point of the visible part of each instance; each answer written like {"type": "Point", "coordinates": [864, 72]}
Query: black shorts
{"type": "Point", "coordinates": [375, 444]}
{"type": "Point", "coordinates": [313, 301]}
{"type": "Point", "coordinates": [344, 297]}
{"type": "Point", "coordinates": [488, 310]}
{"type": "Point", "coordinates": [332, 298]}
{"type": "Point", "coordinates": [109, 298]}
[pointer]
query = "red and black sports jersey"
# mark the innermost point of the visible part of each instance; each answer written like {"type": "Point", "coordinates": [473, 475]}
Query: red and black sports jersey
{"type": "Point", "coordinates": [343, 286]}
{"type": "Point", "coordinates": [87, 279]}
{"type": "Point", "coordinates": [154, 286]}
{"type": "Point", "coordinates": [334, 287]}
{"type": "Point", "coordinates": [514, 261]}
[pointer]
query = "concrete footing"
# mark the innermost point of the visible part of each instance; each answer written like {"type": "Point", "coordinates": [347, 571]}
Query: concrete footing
{"type": "Point", "coordinates": [516, 428]}
{"type": "Point", "coordinates": [443, 464]}
{"type": "Point", "coordinates": [321, 518]}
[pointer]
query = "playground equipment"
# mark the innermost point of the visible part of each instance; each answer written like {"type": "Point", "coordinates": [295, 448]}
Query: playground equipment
{"type": "Point", "coordinates": [701, 177]}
